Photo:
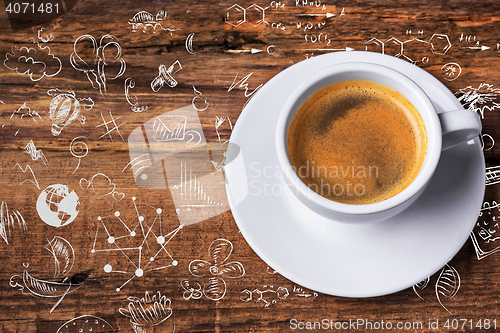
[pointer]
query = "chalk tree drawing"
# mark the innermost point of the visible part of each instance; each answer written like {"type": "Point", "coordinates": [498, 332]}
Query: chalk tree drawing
{"type": "Point", "coordinates": [86, 323]}
{"type": "Point", "coordinates": [148, 312]}
{"type": "Point", "coordinates": [103, 57]}
{"type": "Point", "coordinates": [214, 287]}
{"type": "Point", "coordinates": [58, 205]}
{"type": "Point", "coordinates": [480, 99]}
{"type": "Point", "coordinates": [486, 233]}
{"type": "Point", "coordinates": [63, 254]}
{"type": "Point", "coordinates": [144, 20]}
{"type": "Point", "coordinates": [66, 108]}
{"type": "Point", "coordinates": [10, 220]}
{"type": "Point", "coordinates": [139, 240]}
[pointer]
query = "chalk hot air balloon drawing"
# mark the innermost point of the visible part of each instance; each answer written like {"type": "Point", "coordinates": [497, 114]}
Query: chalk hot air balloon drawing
{"type": "Point", "coordinates": [58, 287]}
{"type": "Point", "coordinates": [65, 108]}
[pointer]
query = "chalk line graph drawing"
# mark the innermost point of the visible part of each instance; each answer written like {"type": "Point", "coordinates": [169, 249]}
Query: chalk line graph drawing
{"type": "Point", "coordinates": [216, 270]}
{"type": "Point", "coordinates": [486, 234]}
{"type": "Point", "coordinates": [139, 239]}
{"type": "Point", "coordinates": [480, 99]}
{"type": "Point", "coordinates": [164, 131]}
{"type": "Point", "coordinates": [270, 295]}
{"type": "Point", "coordinates": [35, 60]}
{"type": "Point", "coordinates": [58, 205]}
{"type": "Point", "coordinates": [65, 108]}
{"type": "Point", "coordinates": [446, 287]}
{"type": "Point", "coordinates": [79, 149]}
{"type": "Point", "coordinates": [101, 186]}
{"type": "Point", "coordinates": [35, 154]}
{"type": "Point", "coordinates": [63, 254]}
{"type": "Point", "coordinates": [110, 126]}
{"type": "Point", "coordinates": [492, 175]}
{"type": "Point", "coordinates": [132, 99]}
{"type": "Point", "coordinates": [148, 312]}
{"type": "Point", "coordinates": [26, 175]}
{"type": "Point", "coordinates": [189, 43]}
{"type": "Point", "coordinates": [144, 20]}
{"type": "Point", "coordinates": [199, 102]}
{"type": "Point", "coordinates": [86, 323]}
{"type": "Point", "coordinates": [165, 76]}
{"type": "Point", "coordinates": [44, 35]}
{"type": "Point", "coordinates": [95, 64]}
{"type": "Point", "coordinates": [10, 220]}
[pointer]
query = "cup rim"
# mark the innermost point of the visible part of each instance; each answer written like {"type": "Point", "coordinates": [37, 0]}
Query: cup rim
{"type": "Point", "coordinates": [426, 110]}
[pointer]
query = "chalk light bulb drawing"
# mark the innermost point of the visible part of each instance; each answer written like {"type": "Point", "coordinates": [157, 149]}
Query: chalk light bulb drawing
{"type": "Point", "coordinates": [65, 108]}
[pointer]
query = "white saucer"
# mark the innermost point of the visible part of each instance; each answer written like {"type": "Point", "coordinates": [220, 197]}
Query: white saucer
{"type": "Point", "coordinates": [334, 258]}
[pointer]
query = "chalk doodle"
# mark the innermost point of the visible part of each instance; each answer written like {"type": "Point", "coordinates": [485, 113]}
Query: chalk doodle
{"type": "Point", "coordinates": [199, 103]}
{"type": "Point", "coordinates": [78, 149]}
{"type": "Point", "coordinates": [86, 323]}
{"type": "Point", "coordinates": [63, 254]}
{"type": "Point", "coordinates": [148, 312]}
{"type": "Point", "coordinates": [101, 186]}
{"type": "Point", "coordinates": [144, 20]}
{"type": "Point", "coordinates": [35, 154]}
{"type": "Point", "coordinates": [193, 291]}
{"type": "Point", "coordinates": [480, 99]}
{"type": "Point", "coordinates": [223, 128]}
{"type": "Point", "coordinates": [34, 60]}
{"type": "Point", "coordinates": [139, 237]}
{"type": "Point", "coordinates": [270, 295]}
{"type": "Point", "coordinates": [487, 141]}
{"type": "Point", "coordinates": [492, 175]}
{"type": "Point", "coordinates": [44, 35]}
{"type": "Point", "coordinates": [215, 286]}
{"type": "Point", "coordinates": [25, 175]}
{"type": "Point", "coordinates": [110, 126]}
{"type": "Point", "coordinates": [65, 108]}
{"type": "Point", "coordinates": [253, 14]}
{"type": "Point", "coordinates": [243, 84]}
{"type": "Point", "coordinates": [94, 63]}
{"type": "Point", "coordinates": [165, 76]}
{"type": "Point", "coordinates": [10, 220]}
{"type": "Point", "coordinates": [132, 99]}
{"type": "Point", "coordinates": [446, 287]}
{"type": "Point", "coordinates": [486, 233]}
{"type": "Point", "coordinates": [17, 117]}
{"type": "Point", "coordinates": [164, 131]}
{"type": "Point", "coordinates": [451, 71]}
{"type": "Point", "coordinates": [189, 44]}
{"type": "Point", "coordinates": [57, 205]}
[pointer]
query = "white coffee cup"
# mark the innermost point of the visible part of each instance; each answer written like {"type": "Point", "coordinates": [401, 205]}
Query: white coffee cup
{"type": "Point", "coordinates": [444, 130]}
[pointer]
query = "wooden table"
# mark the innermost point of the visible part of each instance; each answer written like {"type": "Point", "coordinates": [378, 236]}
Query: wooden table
{"type": "Point", "coordinates": [98, 59]}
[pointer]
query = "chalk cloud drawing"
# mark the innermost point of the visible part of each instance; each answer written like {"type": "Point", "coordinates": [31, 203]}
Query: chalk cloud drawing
{"type": "Point", "coordinates": [57, 205]}
{"type": "Point", "coordinates": [270, 295]}
{"type": "Point", "coordinates": [63, 254]}
{"type": "Point", "coordinates": [25, 175]}
{"type": "Point", "coordinates": [44, 35]}
{"type": "Point", "coordinates": [486, 233]}
{"type": "Point", "coordinates": [137, 239]}
{"type": "Point", "coordinates": [34, 60]}
{"type": "Point", "coordinates": [110, 126]}
{"type": "Point", "coordinates": [446, 287]}
{"type": "Point", "coordinates": [165, 76]}
{"type": "Point", "coordinates": [132, 99]}
{"type": "Point", "coordinates": [35, 154]}
{"type": "Point", "coordinates": [148, 312]}
{"type": "Point", "coordinates": [101, 186]}
{"type": "Point", "coordinates": [86, 323]}
{"type": "Point", "coordinates": [98, 59]}
{"type": "Point", "coordinates": [66, 108]}
{"type": "Point", "coordinates": [144, 20]}
{"type": "Point", "coordinates": [480, 99]}
{"type": "Point", "coordinates": [10, 220]}
{"type": "Point", "coordinates": [217, 269]}
{"type": "Point", "coordinates": [79, 149]}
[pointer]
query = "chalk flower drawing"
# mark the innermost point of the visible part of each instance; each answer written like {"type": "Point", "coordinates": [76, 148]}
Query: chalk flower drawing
{"type": "Point", "coordinates": [147, 312]}
{"type": "Point", "coordinates": [480, 99]}
{"type": "Point", "coordinates": [219, 251]}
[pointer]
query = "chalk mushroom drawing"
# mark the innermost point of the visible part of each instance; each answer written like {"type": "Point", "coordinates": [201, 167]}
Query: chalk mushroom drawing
{"type": "Point", "coordinates": [215, 286]}
{"type": "Point", "coordinates": [165, 76]}
{"type": "Point", "coordinates": [94, 66]}
{"type": "Point", "coordinates": [86, 323]}
{"type": "Point", "coordinates": [132, 99]}
{"type": "Point", "coordinates": [145, 242]}
{"type": "Point", "coordinates": [58, 205]}
{"type": "Point", "coordinates": [66, 108]}
{"type": "Point", "coordinates": [148, 312]}
{"type": "Point", "coordinates": [445, 288]}
{"type": "Point", "coordinates": [143, 20]}
{"type": "Point", "coordinates": [64, 256]}
{"type": "Point", "coordinates": [10, 220]}
{"type": "Point", "coordinates": [270, 295]}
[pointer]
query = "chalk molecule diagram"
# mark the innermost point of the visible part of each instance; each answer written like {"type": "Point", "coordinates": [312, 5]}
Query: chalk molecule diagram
{"type": "Point", "coordinates": [140, 241]}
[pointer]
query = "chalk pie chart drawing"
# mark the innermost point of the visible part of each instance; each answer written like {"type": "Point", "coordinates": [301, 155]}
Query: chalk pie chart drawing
{"type": "Point", "coordinates": [58, 205]}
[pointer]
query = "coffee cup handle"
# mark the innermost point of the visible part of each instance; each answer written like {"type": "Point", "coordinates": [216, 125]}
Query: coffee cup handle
{"type": "Point", "coordinates": [459, 126]}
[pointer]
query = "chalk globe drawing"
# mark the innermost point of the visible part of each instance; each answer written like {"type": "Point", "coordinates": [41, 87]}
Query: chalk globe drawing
{"type": "Point", "coordinates": [57, 205]}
